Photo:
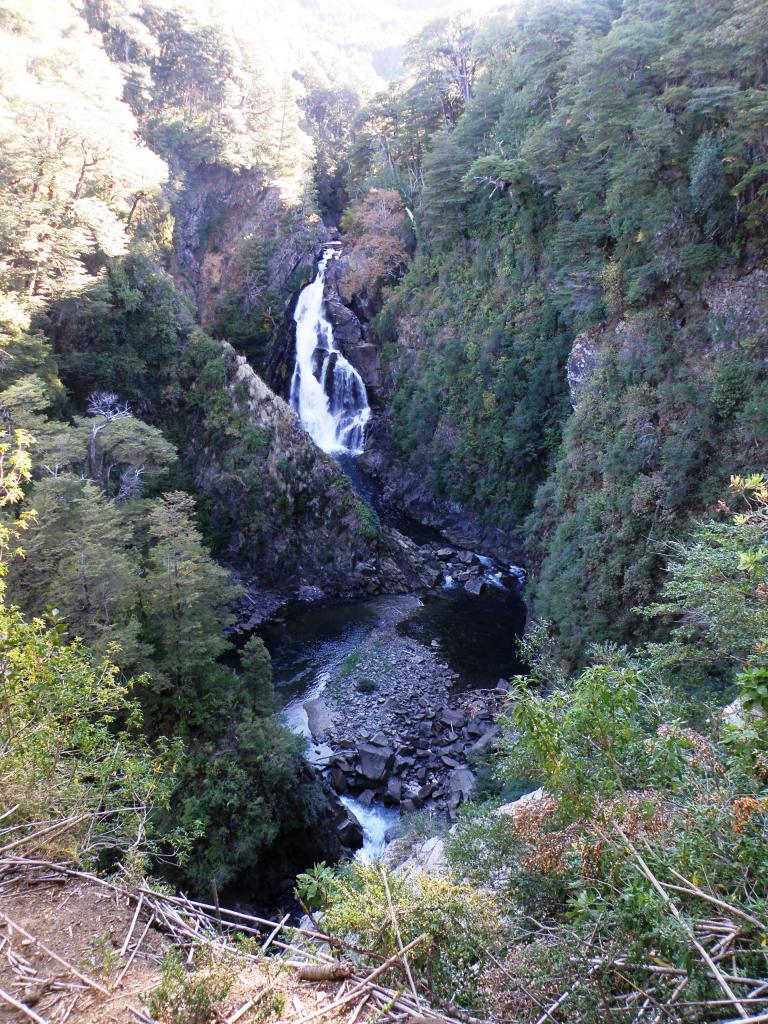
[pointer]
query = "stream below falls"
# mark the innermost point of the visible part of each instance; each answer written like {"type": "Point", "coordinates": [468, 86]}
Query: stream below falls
{"type": "Point", "coordinates": [396, 696]}
{"type": "Point", "coordinates": [470, 640]}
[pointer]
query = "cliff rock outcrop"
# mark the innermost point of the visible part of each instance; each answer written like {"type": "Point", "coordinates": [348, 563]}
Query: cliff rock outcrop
{"type": "Point", "coordinates": [284, 511]}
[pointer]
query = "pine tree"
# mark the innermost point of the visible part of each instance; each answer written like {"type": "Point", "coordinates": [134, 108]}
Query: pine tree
{"type": "Point", "coordinates": [81, 560]}
{"type": "Point", "coordinates": [256, 672]}
{"type": "Point", "coordinates": [185, 596]}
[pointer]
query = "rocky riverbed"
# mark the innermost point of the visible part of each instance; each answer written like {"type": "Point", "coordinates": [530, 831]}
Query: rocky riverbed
{"type": "Point", "coordinates": [390, 717]}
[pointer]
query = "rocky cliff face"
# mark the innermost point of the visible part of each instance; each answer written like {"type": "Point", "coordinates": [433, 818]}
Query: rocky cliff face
{"type": "Point", "coordinates": [285, 512]}
{"type": "Point", "coordinates": [730, 309]}
{"type": "Point", "coordinates": [218, 210]}
{"type": "Point", "coordinates": [351, 316]}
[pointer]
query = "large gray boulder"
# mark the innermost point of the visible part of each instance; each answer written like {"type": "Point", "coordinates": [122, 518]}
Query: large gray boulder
{"type": "Point", "coordinates": [375, 761]}
{"type": "Point", "coordinates": [461, 784]}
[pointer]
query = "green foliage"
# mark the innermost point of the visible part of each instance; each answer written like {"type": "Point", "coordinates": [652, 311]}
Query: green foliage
{"type": "Point", "coordinates": [589, 740]}
{"type": "Point", "coordinates": [457, 918]}
{"type": "Point", "coordinates": [632, 794]}
{"type": "Point", "coordinates": [714, 594]}
{"type": "Point", "coordinates": [71, 741]}
{"type": "Point", "coordinates": [315, 885]}
{"type": "Point", "coordinates": [590, 172]}
{"type": "Point", "coordinates": [185, 595]}
{"type": "Point", "coordinates": [753, 689]}
{"type": "Point", "coordinates": [191, 996]}
{"type": "Point", "coordinates": [370, 527]}
{"type": "Point", "coordinates": [350, 663]}
{"type": "Point", "coordinates": [256, 673]}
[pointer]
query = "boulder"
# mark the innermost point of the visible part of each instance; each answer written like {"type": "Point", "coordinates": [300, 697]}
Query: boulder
{"type": "Point", "coordinates": [461, 783]}
{"type": "Point", "coordinates": [393, 793]}
{"type": "Point", "coordinates": [366, 797]}
{"type": "Point", "coordinates": [445, 554]}
{"type": "Point", "coordinates": [451, 717]}
{"type": "Point", "coordinates": [350, 832]}
{"type": "Point", "coordinates": [475, 586]}
{"type": "Point", "coordinates": [338, 779]}
{"type": "Point", "coordinates": [516, 805]}
{"type": "Point", "coordinates": [486, 742]}
{"type": "Point", "coordinates": [375, 761]}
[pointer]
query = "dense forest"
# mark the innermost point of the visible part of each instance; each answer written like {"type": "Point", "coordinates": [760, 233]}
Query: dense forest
{"type": "Point", "coordinates": [551, 232]}
{"type": "Point", "coordinates": [588, 186]}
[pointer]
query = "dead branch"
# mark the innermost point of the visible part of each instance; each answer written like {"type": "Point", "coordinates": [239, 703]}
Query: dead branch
{"type": "Point", "coordinates": [55, 956]}
{"type": "Point", "coordinates": [26, 1010]}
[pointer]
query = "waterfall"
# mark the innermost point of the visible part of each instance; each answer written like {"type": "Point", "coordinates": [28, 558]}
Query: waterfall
{"type": "Point", "coordinates": [326, 390]}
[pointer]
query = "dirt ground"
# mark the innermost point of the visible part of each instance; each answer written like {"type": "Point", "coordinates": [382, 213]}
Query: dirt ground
{"type": "Point", "coordinates": [87, 926]}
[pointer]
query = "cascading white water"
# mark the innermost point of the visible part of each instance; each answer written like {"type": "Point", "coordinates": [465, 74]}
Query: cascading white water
{"type": "Point", "coordinates": [326, 390]}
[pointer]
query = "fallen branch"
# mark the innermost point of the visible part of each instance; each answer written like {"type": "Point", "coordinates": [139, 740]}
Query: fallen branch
{"type": "Point", "coordinates": [362, 985]}
{"type": "Point", "coordinates": [250, 1003]}
{"type": "Point", "coordinates": [127, 942]}
{"type": "Point", "coordinates": [7, 998]}
{"type": "Point", "coordinates": [399, 937]}
{"type": "Point", "coordinates": [135, 951]}
{"type": "Point", "coordinates": [55, 956]}
{"type": "Point", "coordinates": [714, 969]}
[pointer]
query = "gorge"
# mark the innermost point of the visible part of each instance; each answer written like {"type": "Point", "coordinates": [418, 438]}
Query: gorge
{"type": "Point", "coordinates": [377, 708]}
{"type": "Point", "coordinates": [384, 404]}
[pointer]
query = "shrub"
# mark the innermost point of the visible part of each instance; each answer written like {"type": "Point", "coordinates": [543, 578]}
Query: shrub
{"type": "Point", "coordinates": [460, 922]}
{"type": "Point", "coordinates": [191, 997]}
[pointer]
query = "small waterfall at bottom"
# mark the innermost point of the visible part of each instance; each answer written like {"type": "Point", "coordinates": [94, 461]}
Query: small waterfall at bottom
{"type": "Point", "coordinates": [326, 390]}
{"type": "Point", "coordinates": [375, 821]}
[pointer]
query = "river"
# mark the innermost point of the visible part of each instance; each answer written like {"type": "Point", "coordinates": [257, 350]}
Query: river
{"type": "Point", "coordinates": [469, 639]}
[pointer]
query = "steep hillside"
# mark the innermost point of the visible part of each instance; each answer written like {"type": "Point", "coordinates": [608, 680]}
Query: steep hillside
{"type": "Point", "coordinates": [574, 172]}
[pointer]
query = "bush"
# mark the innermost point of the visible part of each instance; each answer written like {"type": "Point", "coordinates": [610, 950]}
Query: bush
{"type": "Point", "coordinates": [191, 997]}
{"type": "Point", "coordinates": [460, 921]}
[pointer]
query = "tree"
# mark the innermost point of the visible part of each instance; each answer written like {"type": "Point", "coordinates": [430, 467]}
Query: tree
{"type": "Point", "coordinates": [443, 55]}
{"type": "Point", "coordinates": [73, 167]}
{"type": "Point", "coordinates": [443, 202]}
{"type": "Point", "coordinates": [117, 441]}
{"type": "Point", "coordinates": [82, 561]}
{"type": "Point", "coordinates": [376, 228]}
{"type": "Point", "coordinates": [256, 673]}
{"type": "Point", "coordinates": [185, 597]}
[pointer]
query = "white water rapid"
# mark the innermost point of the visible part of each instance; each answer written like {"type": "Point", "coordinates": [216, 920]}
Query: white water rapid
{"type": "Point", "coordinates": [326, 390]}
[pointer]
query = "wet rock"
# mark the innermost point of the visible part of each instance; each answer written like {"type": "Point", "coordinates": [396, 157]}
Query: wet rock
{"type": "Point", "coordinates": [366, 798]}
{"type": "Point", "coordinates": [475, 586]}
{"type": "Point", "coordinates": [338, 779]}
{"type": "Point", "coordinates": [445, 554]}
{"type": "Point", "coordinates": [350, 832]}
